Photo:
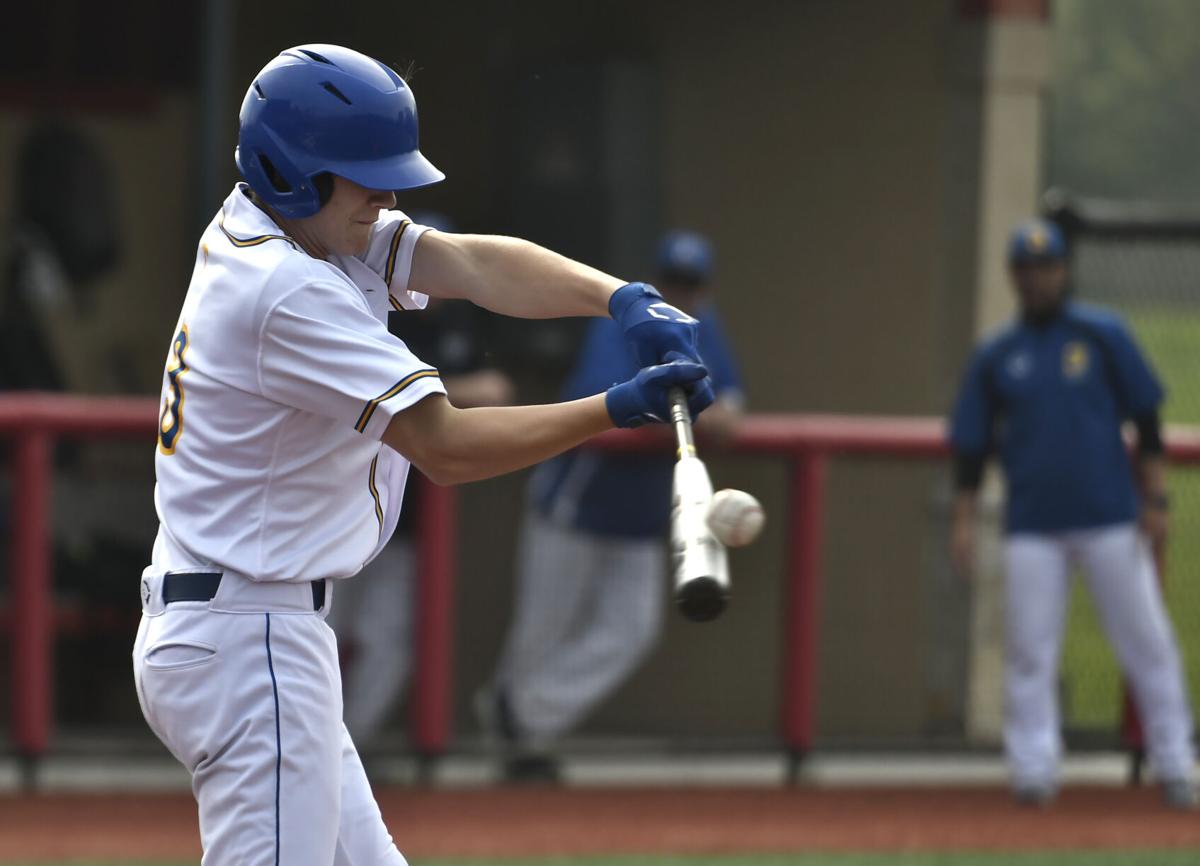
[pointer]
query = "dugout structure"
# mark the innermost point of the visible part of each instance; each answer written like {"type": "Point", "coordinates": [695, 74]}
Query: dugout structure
{"type": "Point", "coordinates": [1141, 259]}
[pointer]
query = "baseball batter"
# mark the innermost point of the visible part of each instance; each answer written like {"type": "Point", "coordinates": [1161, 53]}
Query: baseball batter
{"type": "Point", "coordinates": [289, 418]}
{"type": "Point", "coordinates": [1049, 394]}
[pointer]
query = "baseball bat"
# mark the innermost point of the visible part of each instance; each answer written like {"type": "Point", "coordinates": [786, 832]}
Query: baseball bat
{"type": "Point", "coordinates": [698, 560]}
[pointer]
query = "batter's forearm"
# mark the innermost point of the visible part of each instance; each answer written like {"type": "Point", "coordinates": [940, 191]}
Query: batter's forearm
{"type": "Point", "coordinates": [509, 276]}
{"type": "Point", "coordinates": [454, 446]}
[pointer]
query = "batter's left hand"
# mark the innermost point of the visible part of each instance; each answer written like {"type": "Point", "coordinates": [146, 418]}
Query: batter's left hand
{"type": "Point", "coordinates": [653, 327]}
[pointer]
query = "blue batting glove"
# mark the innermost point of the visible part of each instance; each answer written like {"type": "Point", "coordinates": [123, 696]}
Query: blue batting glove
{"type": "Point", "coordinates": [643, 399]}
{"type": "Point", "coordinates": [653, 327]}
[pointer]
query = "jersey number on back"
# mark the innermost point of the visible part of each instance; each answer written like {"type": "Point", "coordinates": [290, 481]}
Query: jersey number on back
{"type": "Point", "coordinates": [170, 425]}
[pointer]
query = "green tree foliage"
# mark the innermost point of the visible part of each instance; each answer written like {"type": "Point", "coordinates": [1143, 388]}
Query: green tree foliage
{"type": "Point", "coordinates": [1125, 103]}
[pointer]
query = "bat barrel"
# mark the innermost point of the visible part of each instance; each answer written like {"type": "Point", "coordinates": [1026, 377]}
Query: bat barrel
{"type": "Point", "coordinates": [702, 599]}
{"type": "Point", "coordinates": [699, 564]}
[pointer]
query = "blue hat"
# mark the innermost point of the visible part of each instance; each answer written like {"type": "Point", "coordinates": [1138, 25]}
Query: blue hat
{"type": "Point", "coordinates": [685, 253]}
{"type": "Point", "coordinates": [1036, 241]}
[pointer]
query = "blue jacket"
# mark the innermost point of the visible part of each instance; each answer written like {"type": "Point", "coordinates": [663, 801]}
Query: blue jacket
{"type": "Point", "coordinates": [1050, 400]}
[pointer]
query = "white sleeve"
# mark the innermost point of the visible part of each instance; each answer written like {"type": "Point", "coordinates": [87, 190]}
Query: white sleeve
{"type": "Point", "coordinates": [322, 351]}
{"type": "Point", "coordinates": [393, 239]}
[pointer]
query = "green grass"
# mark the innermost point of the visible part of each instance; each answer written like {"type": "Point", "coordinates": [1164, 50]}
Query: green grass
{"type": "Point", "coordinates": [1171, 337]}
{"type": "Point", "coordinates": [947, 858]}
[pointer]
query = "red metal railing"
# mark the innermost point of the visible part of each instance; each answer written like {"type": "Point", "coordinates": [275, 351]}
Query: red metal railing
{"type": "Point", "coordinates": [806, 442]}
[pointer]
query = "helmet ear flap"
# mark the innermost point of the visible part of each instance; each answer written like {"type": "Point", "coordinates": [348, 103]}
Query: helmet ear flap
{"type": "Point", "coordinates": [273, 176]}
{"type": "Point", "coordinates": [278, 186]}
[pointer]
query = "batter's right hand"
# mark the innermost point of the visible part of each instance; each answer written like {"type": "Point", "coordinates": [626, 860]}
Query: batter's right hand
{"type": "Point", "coordinates": [643, 399]}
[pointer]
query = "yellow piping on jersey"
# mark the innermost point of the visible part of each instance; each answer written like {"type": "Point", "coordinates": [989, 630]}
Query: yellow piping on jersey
{"type": "Point", "coordinates": [375, 493]}
{"type": "Point", "coordinates": [394, 249]}
{"type": "Point", "coordinates": [251, 242]}
{"type": "Point", "coordinates": [365, 418]}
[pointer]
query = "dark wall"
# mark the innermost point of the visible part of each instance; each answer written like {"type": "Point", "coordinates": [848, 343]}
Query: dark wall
{"type": "Point", "coordinates": [810, 140]}
{"type": "Point", "coordinates": [827, 149]}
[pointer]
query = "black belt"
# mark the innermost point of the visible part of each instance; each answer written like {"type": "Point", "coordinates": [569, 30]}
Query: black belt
{"type": "Point", "coordinates": [202, 586]}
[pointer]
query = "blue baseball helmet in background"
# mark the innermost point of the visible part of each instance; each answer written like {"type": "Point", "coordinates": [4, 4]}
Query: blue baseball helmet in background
{"type": "Point", "coordinates": [685, 254]}
{"type": "Point", "coordinates": [1036, 241]}
{"type": "Point", "coordinates": [322, 108]}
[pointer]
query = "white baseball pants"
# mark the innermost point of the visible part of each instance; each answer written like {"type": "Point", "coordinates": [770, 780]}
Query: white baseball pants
{"type": "Point", "coordinates": [245, 692]}
{"type": "Point", "coordinates": [588, 609]}
{"type": "Point", "coordinates": [1121, 577]}
{"type": "Point", "coordinates": [374, 616]}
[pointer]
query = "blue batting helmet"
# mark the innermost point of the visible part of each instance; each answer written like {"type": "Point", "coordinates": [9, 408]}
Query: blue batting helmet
{"type": "Point", "coordinates": [323, 108]}
{"type": "Point", "coordinates": [1036, 241]}
{"type": "Point", "coordinates": [685, 254]}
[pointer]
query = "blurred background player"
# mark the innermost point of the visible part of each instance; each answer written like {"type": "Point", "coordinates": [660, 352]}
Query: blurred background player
{"type": "Point", "coordinates": [591, 561]}
{"type": "Point", "coordinates": [64, 239]}
{"type": "Point", "coordinates": [373, 616]}
{"type": "Point", "coordinates": [1049, 394]}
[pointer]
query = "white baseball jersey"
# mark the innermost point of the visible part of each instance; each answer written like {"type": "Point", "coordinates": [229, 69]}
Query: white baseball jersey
{"type": "Point", "coordinates": [279, 384]}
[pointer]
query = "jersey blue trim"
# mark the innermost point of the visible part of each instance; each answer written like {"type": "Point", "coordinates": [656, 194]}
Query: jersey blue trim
{"type": "Point", "coordinates": [365, 418]}
{"type": "Point", "coordinates": [278, 739]}
{"type": "Point", "coordinates": [375, 493]}
{"type": "Point", "coordinates": [395, 247]}
{"type": "Point", "coordinates": [251, 242]}
{"type": "Point", "coordinates": [390, 268]}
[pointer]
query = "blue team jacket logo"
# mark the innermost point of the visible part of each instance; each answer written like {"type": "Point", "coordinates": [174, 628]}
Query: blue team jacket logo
{"type": "Point", "coordinates": [1076, 359]}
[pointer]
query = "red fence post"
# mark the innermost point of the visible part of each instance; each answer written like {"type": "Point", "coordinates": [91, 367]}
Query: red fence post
{"type": "Point", "coordinates": [431, 698]}
{"type": "Point", "coordinates": [807, 525]}
{"type": "Point", "coordinates": [32, 624]}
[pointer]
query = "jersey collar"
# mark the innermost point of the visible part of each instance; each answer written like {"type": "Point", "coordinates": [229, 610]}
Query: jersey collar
{"type": "Point", "coordinates": [245, 224]}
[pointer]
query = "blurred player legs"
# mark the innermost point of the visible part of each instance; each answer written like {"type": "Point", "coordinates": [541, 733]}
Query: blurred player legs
{"type": "Point", "coordinates": [1122, 582]}
{"type": "Point", "coordinates": [374, 617]}
{"type": "Point", "coordinates": [1036, 587]}
{"type": "Point", "coordinates": [588, 609]}
{"type": "Point", "coordinates": [591, 569]}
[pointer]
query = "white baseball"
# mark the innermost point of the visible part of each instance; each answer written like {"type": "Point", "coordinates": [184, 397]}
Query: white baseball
{"type": "Point", "coordinates": [735, 517]}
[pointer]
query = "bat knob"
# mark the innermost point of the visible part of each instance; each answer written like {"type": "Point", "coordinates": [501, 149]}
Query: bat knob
{"type": "Point", "coordinates": [701, 599]}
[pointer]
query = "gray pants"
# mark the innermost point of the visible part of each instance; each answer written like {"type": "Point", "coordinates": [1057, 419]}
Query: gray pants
{"type": "Point", "coordinates": [1121, 576]}
{"type": "Point", "coordinates": [588, 609]}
